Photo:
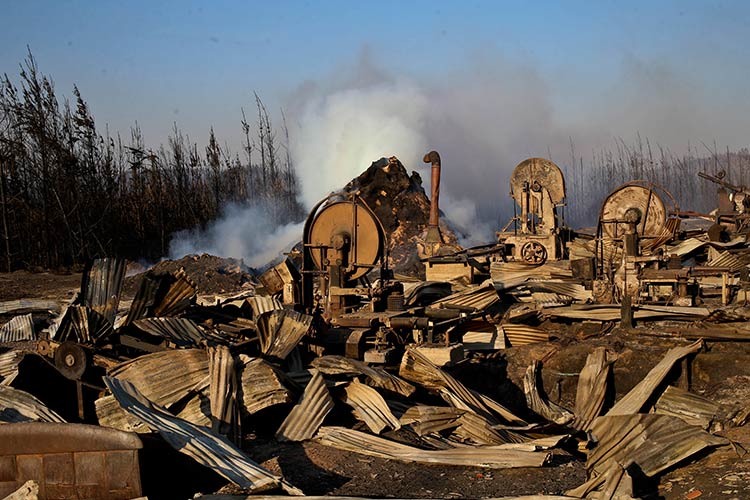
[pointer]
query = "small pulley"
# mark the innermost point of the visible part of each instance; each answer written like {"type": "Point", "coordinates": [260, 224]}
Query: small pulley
{"type": "Point", "coordinates": [534, 253]}
{"type": "Point", "coordinates": [71, 360]}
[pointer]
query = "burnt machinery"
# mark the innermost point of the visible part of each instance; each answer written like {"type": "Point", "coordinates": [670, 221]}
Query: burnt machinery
{"type": "Point", "coordinates": [343, 243]}
{"type": "Point", "coordinates": [537, 186]}
{"type": "Point", "coordinates": [733, 212]}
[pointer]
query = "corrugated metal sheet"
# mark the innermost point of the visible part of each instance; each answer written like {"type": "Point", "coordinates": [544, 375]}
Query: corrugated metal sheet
{"type": "Point", "coordinates": [182, 332]}
{"type": "Point", "coordinates": [225, 412]}
{"type": "Point", "coordinates": [592, 387]}
{"type": "Point", "coordinates": [101, 285]}
{"type": "Point", "coordinates": [692, 408]}
{"type": "Point", "coordinates": [333, 497]}
{"type": "Point", "coordinates": [260, 386]}
{"type": "Point", "coordinates": [281, 331]}
{"type": "Point", "coordinates": [370, 407]}
{"type": "Point", "coordinates": [215, 452]}
{"type": "Point", "coordinates": [415, 367]}
{"type": "Point", "coordinates": [537, 399]}
{"type": "Point", "coordinates": [18, 329]}
{"type": "Point", "coordinates": [478, 298]}
{"type": "Point", "coordinates": [9, 366]}
{"type": "Point", "coordinates": [652, 442]}
{"type": "Point", "coordinates": [429, 419]}
{"type": "Point", "coordinates": [523, 334]}
{"type": "Point", "coordinates": [482, 336]}
{"type": "Point", "coordinates": [634, 400]}
{"type": "Point", "coordinates": [308, 415]}
{"type": "Point", "coordinates": [724, 259]}
{"type": "Point", "coordinates": [473, 456]}
{"type": "Point", "coordinates": [25, 306]}
{"type": "Point", "coordinates": [263, 304]}
{"type": "Point", "coordinates": [162, 295]}
{"type": "Point", "coordinates": [83, 325]}
{"type": "Point", "coordinates": [477, 430]}
{"type": "Point", "coordinates": [507, 275]}
{"type": "Point", "coordinates": [613, 313]}
{"type": "Point", "coordinates": [20, 406]}
{"type": "Point", "coordinates": [573, 290]}
{"type": "Point", "coordinates": [376, 377]}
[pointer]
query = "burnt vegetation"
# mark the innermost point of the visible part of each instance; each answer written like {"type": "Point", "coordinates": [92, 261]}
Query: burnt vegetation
{"type": "Point", "coordinates": [69, 192]}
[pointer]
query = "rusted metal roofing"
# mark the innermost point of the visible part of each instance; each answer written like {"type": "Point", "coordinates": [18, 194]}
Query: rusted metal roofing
{"type": "Point", "coordinates": [165, 378]}
{"type": "Point", "coordinates": [417, 368]}
{"type": "Point", "coordinates": [634, 401]}
{"type": "Point", "coordinates": [25, 306]}
{"type": "Point", "coordinates": [592, 387]}
{"type": "Point", "coordinates": [537, 399]}
{"type": "Point", "coordinates": [376, 377]}
{"type": "Point", "coordinates": [724, 259]}
{"type": "Point", "coordinates": [573, 290]}
{"type": "Point", "coordinates": [260, 385]}
{"type": "Point", "coordinates": [370, 407]}
{"type": "Point", "coordinates": [652, 442]}
{"type": "Point", "coordinates": [475, 456]}
{"type": "Point", "coordinates": [9, 365]}
{"type": "Point", "coordinates": [182, 332]}
{"type": "Point", "coordinates": [225, 412]}
{"type": "Point", "coordinates": [523, 334]}
{"type": "Point", "coordinates": [482, 336]}
{"type": "Point", "coordinates": [280, 331]}
{"type": "Point", "coordinates": [507, 275]}
{"type": "Point", "coordinates": [692, 408]}
{"type": "Point", "coordinates": [478, 298]}
{"type": "Point", "coordinates": [608, 312]}
{"type": "Point", "coordinates": [428, 419]}
{"type": "Point", "coordinates": [83, 325]}
{"type": "Point", "coordinates": [101, 285]}
{"type": "Point", "coordinates": [20, 406]}
{"type": "Point", "coordinates": [162, 295]}
{"type": "Point", "coordinates": [262, 304]}
{"type": "Point", "coordinates": [477, 430]}
{"type": "Point", "coordinates": [308, 415]}
{"type": "Point", "coordinates": [215, 452]}
{"type": "Point", "coordinates": [18, 329]}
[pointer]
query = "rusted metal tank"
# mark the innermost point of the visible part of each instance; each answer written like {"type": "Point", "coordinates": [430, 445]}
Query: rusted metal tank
{"type": "Point", "coordinates": [70, 460]}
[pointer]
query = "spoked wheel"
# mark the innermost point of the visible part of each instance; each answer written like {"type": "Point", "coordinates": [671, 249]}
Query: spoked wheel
{"type": "Point", "coordinates": [534, 253]}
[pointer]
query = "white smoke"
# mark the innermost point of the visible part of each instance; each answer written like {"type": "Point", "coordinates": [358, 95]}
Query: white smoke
{"type": "Point", "coordinates": [246, 233]}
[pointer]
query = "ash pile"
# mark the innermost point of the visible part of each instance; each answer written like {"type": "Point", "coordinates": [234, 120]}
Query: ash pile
{"type": "Point", "coordinates": [344, 354]}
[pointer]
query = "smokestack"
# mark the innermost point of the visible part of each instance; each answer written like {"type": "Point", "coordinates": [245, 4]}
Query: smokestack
{"type": "Point", "coordinates": [433, 230]}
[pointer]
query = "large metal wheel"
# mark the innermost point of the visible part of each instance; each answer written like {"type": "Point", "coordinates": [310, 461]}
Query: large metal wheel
{"type": "Point", "coordinates": [533, 252]}
{"type": "Point", "coordinates": [351, 221]}
{"type": "Point", "coordinates": [537, 172]}
{"type": "Point", "coordinates": [634, 203]}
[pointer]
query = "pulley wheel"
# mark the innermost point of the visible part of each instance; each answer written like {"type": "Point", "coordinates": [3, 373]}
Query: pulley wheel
{"type": "Point", "coordinates": [533, 252]}
{"type": "Point", "coordinates": [358, 224]}
{"type": "Point", "coordinates": [537, 173]}
{"type": "Point", "coordinates": [71, 360]}
{"type": "Point", "coordinates": [633, 203]}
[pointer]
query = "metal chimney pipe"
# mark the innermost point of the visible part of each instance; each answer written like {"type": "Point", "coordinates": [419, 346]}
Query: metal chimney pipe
{"type": "Point", "coordinates": [433, 230]}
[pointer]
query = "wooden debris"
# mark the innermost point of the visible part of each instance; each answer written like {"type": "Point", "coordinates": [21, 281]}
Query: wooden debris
{"type": "Point", "coordinates": [308, 415]}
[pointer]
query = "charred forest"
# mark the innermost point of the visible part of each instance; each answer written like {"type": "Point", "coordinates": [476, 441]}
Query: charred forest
{"type": "Point", "coordinates": [70, 192]}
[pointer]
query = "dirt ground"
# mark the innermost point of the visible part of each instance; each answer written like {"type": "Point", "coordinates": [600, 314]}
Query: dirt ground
{"type": "Point", "coordinates": [721, 373]}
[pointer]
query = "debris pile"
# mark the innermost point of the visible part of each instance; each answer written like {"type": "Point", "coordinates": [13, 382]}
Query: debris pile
{"type": "Point", "coordinates": [342, 355]}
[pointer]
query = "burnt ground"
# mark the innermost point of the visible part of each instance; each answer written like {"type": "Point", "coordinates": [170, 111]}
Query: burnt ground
{"type": "Point", "coordinates": [720, 373]}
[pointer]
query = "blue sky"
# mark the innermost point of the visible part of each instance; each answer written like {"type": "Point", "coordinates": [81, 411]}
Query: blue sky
{"type": "Point", "coordinates": [486, 83]}
{"type": "Point", "coordinates": [197, 62]}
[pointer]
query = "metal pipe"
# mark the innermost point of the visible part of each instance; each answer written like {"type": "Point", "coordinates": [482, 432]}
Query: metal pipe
{"type": "Point", "coordinates": [433, 230]}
